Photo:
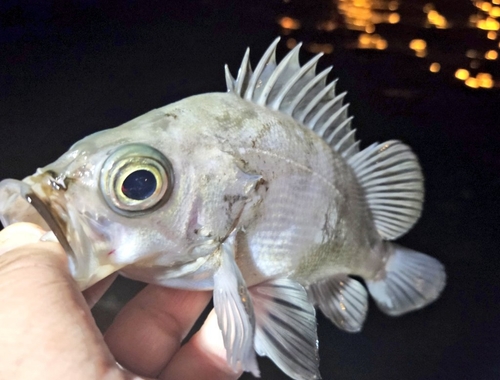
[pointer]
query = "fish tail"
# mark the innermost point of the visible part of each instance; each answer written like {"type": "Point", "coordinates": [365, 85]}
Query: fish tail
{"type": "Point", "coordinates": [408, 281]}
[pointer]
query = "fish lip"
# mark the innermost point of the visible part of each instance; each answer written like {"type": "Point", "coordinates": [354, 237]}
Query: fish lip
{"type": "Point", "coordinates": [9, 214]}
{"type": "Point", "coordinates": [50, 218]}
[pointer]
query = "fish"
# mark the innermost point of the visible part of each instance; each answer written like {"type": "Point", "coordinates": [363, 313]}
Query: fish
{"type": "Point", "coordinates": [261, 194]}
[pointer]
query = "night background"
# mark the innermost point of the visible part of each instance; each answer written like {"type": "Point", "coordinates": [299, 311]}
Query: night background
{"type": "Point", "coordinates": [424, 73]}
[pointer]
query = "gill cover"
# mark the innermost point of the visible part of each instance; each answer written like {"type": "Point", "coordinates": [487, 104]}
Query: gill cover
{"type": "Point", "coordinates": [136, 178]}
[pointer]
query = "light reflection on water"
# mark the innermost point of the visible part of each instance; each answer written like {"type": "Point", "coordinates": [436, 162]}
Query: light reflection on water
{"type": "Point", "coordinates": [461, 42]}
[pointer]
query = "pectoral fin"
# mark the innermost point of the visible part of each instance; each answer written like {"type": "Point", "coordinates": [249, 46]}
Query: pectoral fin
{"type": "Point", "coordinates": [235, 315]}
{"type": "Point", "coordinates": [286, 328]}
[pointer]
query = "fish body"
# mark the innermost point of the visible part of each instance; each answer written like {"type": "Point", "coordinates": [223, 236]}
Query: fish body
{"type": "Point", "coordinates": [283, 187]}
{"type": "Point", "coordinates": [261, 194]}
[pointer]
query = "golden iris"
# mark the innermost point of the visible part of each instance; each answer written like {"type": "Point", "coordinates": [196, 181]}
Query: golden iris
{"type": "Point", "coordinates": [136, 178]}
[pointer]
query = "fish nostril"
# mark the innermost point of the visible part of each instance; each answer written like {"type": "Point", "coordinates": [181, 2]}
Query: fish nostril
{"type": "Point", "coordinates": [57, 182]}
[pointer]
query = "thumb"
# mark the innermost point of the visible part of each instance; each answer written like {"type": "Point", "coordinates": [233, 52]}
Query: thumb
{"type": "Point", "coordinates": [45, 324]}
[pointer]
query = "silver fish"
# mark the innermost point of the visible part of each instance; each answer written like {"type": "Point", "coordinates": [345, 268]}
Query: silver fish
{"type": "Point", "coordinates": [261, 194]}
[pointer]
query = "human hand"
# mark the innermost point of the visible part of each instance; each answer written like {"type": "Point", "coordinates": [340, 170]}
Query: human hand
{"type": "Point", "coordinates": [47, 330]}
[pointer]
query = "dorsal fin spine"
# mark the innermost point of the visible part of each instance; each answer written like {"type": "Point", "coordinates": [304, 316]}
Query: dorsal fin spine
{"type": "Point", "coordinates": [316, 81]}
{"type": "Point", "coordinates": [310, 66]}
{"type": "Point", "coordinates": [229, 79]}
{"type": "Point", "coordinates": [331, 121]}
{"type": "Point", "coordinates": [351, 150]}
{"type": "Point", "coordinates": [315, 101]}
{"type": "Point", "coordinates": [344, 139]}
{"type": "Point", "coordinates": [296, 91]}
{"type": "Point", "coordinates": [262, 100]}
{"type": "Point", "coordinates": [327, 106]}
{"type": "Point", "coordinates": [243, 72]}
{"type": "Point", "coordinates": [269, 57]}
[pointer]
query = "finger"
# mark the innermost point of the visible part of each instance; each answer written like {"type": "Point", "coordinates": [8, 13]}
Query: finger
{"type": "Point", "coordinates": [45, 320]}
{"type": "Point", "coordinates": [19, 234]}
{"type": "Point", "coordinates": [150, 328]}
{"type": "Point", "coordinates": [203, 354]}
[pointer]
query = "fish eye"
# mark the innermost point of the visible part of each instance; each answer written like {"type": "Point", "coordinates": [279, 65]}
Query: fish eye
{"type": "Point", "coordinates": [139, 185]}
{"type": "Point", "coordinates": [135, 179]}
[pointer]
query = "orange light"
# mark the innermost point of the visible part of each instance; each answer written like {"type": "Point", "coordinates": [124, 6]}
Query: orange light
{"type": "Point", "coordinates": [289, 23]}
{"type": "Point", "coordinates": [496, 2]}
{"type": "Point", "coordinates": [485, 6]}
{"type": "Point", "coordinates": [434, 67]}
{"type": "Point", "coordinates": [462, 74]}
{"type": "Point", "coordinates": [436, 19]}
{"type": "Point", "coordinates": [472, 82]}
{"type": "Point", "coordinates": [418, 44]}
{"type": "Point", "coordinates": [432, 14]}
{"type": "Point", "coordinates": [372, 41]}
{"type": "Point", "coordinates": [482, 76]}
{"type": "Point", "coordinates": [487, 83]}
{"type": "Point", "coordinates": [393, 18]}
{"type": "Point", "coordinates": [370, 28]}
{"type": "Point", "coordinates": [364, 39]}
{"type": "Point", "coordinates": [491, 55]}
{"type": "Point", "coordinates": [494, 12]}
{"type": "Point", "coordinates": [488, 24]}
{"type": "Point", "coordinates": [484, 80]}
{"type": "Point", "coordinates": [381, 44]}
{"type": "Point", "coordinates": [362, 15]}
{"type": "Point", "coordinates": [491, 35]}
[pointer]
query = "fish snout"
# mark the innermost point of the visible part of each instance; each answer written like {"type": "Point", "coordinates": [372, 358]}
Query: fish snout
{"type": "Point", "coordinates": [40, 199]}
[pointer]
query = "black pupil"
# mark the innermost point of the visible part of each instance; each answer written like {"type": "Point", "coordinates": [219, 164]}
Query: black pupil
{"type": "Point", "coordinates": [139, 185]}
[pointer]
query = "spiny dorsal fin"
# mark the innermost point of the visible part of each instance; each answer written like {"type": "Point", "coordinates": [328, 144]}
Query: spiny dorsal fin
{"type": "Point", "coordinates": [393, 184]}
{"type": "Point", "coordinates": [389, 173]}
{"type": "Point", "coordinates": [299, 92]}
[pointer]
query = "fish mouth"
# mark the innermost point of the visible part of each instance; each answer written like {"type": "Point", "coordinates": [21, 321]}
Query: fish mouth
{"type": "Point", "coordinates": [56, 225]}
{"type": "Point", "coordinates": [34, 200]}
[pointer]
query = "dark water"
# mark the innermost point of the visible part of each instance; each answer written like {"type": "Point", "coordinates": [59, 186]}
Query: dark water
{"type": "Point", "coordinates": [74, 67]}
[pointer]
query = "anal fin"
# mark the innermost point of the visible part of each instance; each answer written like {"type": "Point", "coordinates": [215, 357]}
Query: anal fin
{"type": "Point", "coordinates": [343, 300]}
{"type": "Point", "coordinates": [409, 281]}
{"type": "Point", "coordinates": [286, 327]}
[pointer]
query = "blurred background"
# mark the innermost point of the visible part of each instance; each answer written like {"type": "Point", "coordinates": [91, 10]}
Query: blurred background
{"type": "Point", "coordinates": [424, 73]}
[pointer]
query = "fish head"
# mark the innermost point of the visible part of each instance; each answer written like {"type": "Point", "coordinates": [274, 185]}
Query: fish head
{"type": "Point", "coordinates": [126, 197]}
